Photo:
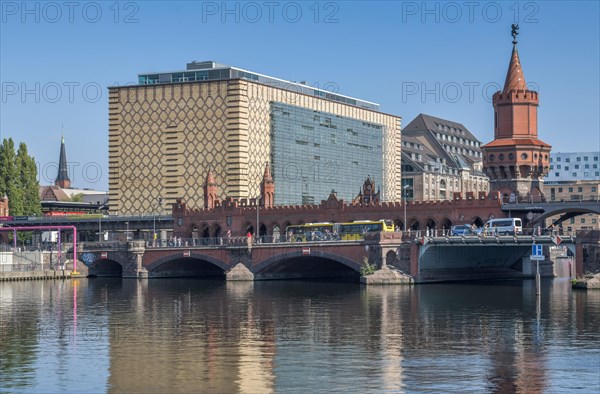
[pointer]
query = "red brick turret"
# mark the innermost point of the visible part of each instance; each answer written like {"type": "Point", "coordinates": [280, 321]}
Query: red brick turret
{"type": "Point", "coordinates": [211, 191]}
{"type": "Point", "coordinates": [516, 161]}
{"type": "Point", "coordinates": [267, 188]}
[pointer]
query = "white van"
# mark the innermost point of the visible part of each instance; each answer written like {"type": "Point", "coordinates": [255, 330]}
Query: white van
{"type": "Point", "coordinates": [506, 226]}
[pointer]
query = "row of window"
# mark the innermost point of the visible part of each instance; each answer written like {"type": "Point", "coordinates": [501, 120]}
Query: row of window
{"type": "Point", "coordinates": [587, 166]}
{"type": "Point", "coordinates": [449, 128]}
{"type": "Point", "coordinates": [511, 156]}
{"type": "Point", "coordinates": [458, 140]}
{"type": "Point", "coordinates": [568, 159]}
{"type": "Point", "coordinates": [571, 189]}
{"type": "Point", "coordinates": [574, 174]}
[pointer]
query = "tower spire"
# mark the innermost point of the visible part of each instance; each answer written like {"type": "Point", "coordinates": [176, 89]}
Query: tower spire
{"type": "Point", "coordinates": [62, 178]}
{"type": "Point", "coordinates": [515, 80]}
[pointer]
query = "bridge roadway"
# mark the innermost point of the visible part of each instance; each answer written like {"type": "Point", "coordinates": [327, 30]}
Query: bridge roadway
{"type": "Point", "coordinates": [397, 260]}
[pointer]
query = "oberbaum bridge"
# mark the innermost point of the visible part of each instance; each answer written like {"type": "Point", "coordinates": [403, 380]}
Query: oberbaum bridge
{"type": "Point", "coordinates": [213, 241]}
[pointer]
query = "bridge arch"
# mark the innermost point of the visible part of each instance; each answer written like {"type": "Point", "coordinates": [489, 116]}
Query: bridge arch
{"type": "Point", "coordinates": [568, 213]}
{"type": "Point", "coordinates": [197, 264]}
{"type": "Point", "coordinates": [297, 265]}
{"type": "Point", "coordinates": [105, 267]}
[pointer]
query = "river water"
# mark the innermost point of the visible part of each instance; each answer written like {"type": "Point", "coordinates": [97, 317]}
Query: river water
{"type": "Point", "coordinates": [191, 335]}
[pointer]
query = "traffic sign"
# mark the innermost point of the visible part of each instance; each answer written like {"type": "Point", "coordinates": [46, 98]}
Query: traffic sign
{"type": "Point", "coordinates": [557, 240]}
{"type": "Point", "coordinates": [186, 253]}
{"type": "Point", "coordinates": [537, 252]}
{"type": "Point", "coordinates": [305, 251]}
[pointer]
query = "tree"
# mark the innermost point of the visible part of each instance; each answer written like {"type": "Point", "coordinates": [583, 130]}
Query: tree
{"type": "Point", "coordinates": [10, 178]}
{"type": "Point", "coordinates": [18, 179]}
{"type": "Point", "coordinates": [29, 183]}
{"type": "Point", "coordinates": [77, 197]}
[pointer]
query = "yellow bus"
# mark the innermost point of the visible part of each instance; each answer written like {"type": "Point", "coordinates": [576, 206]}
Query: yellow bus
{"type": "Point", "coordinates": [349, 231]}
{"type": "Point", "coordinates": [309, 232]}
{"type": "Point", "coordinates": [356, 230]}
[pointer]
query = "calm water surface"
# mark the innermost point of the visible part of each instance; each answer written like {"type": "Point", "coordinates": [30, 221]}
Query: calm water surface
{"type": "Point", "coordinates": [192, 335]}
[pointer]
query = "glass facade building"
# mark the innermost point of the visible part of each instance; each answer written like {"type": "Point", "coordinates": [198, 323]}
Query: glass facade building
{"type": "Point", "coordinates": [315, 152]}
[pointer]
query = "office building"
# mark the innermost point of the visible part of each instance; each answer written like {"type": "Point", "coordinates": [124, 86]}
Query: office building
{"type": "Point", "coordinates": [168, 132]}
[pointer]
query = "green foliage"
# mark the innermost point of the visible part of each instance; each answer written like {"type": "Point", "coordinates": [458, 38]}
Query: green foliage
{"type": "Point", "coordinates": [18, 179]}
{"type": "Point", "coordinates": [77, 197]}
{"type": "Point", "coordinates": [29, 183]}
{"type": "Point", "coordinates": [366, 268]}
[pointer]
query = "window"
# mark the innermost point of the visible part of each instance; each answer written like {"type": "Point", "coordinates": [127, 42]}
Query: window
{"type": "Point", "coordinates": [597, 173]}
{"type": "Point", "coordinates": [558, 167]}
{"type": "Point", "coordinates": [568, 159]}
{"type": "Point", "coordinates": [558, 159]}
{"type": "Point", "coordinates": [582, 220]}
{"type": "Point", "coordinates": [572, 221]}
{"type": "Point", "coordinates": [551, 167]}
{"type": "Point", "coordinates": [586, 173]}
{"type": "Point", "coordinates": [576, 166]}
{"type": "Point", "coordinates": [587, 166]}
{"type": "Point", "coordinates": [523, 156]}
{"type": "Point", "coordinates": [594, 189]}
{"type": "Point", "coordinates": [574, 174]}
{"type": "Point", "coordinates": [557, 174]}
{"type": "Point", "coordinates": [570, 190]}
{"type": "Point", "coordinates": [560, 189]}
{"type": "Point", "coordinates": [580, 189]}
{"type": "Point", "coordinates": [594, 221]}
{"type": "Point", "coordinates": [578, 158]}
{"type": "Point", "coordinates": [595, 158]}
{"type": "Point", "coordinates": [585, 158]}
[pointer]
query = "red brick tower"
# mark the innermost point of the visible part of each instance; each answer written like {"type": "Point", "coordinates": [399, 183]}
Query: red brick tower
{"type": "Point", "coordinates": [267, 188]}
{"type": "Point", "coordinates": [211, 191]}
{"type": "Point", "coordinates": [516, 161]}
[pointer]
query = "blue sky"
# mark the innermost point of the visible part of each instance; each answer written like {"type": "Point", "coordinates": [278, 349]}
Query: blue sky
{"type": "Point", "coordinates": [440, 58]}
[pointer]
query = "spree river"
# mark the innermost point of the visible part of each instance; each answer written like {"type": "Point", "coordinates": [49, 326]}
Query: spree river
{"type": "Point", "coordinates": [117, 335]}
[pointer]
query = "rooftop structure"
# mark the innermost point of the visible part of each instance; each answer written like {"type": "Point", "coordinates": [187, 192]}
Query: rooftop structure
{"type": "Point", "coordinates": [212, 71]}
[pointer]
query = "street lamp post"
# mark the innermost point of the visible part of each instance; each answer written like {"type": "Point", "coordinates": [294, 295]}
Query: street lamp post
{"type": "Point", "coordinates": [405, 187]}
{"type": "Point", "coordinates": [100, 228]}
{"type": "Point", "coordinates": [257, 219]}
{"type": "Point", "coordinates": [158, 204]}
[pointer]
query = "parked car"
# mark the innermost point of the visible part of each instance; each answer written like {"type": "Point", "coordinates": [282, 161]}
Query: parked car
{"type": "Point", "coordinates": [463, 229]}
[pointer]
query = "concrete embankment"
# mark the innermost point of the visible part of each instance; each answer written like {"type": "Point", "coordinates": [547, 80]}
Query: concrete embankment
{"type": "Point", "coordinates": [35, 275]}
{"type": "Point", "coordinates": [591, 282]}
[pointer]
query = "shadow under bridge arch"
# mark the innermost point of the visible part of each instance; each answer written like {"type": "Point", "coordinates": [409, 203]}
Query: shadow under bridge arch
{"type": "Point", "coordinates": [301, 265]}
{"type": "Point", "coordinates": [196, 265]}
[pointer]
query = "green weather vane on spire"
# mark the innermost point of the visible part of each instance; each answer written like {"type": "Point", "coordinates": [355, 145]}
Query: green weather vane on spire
{"type": "Point", "coordinates": [515, 32]}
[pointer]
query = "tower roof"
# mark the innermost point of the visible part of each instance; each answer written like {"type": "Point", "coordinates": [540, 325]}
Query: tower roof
{"type": "Point", "coordinates": [63, 173]}
{"type": "Point", "coordinates": [267, 175]}
{"type": "Point", "coordinates": [515, 79]}
{"type": "Point", "coordinates": [210, 178]}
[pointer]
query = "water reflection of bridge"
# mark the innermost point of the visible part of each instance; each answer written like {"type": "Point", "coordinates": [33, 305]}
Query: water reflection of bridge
{"type": "Point", "coordinates": [422, 259]}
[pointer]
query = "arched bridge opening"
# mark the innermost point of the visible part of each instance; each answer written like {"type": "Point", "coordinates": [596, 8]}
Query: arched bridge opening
{"type": "Point", "coordinates": [105, 268]}
{"type": "Point", "coordinates": [195, 266]}
{"type": "Point", "coordinates": [318, 265]}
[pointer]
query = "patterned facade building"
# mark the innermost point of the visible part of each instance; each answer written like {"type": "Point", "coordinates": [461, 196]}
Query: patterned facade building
{"type": "Point", "coordinates": [516, 161]}
{"type": "Point", "coordinates": [441, 160]}
{"type": "Point", "coordinates": [168, 131]}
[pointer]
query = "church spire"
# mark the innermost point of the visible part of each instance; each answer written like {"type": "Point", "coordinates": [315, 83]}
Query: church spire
{"type": "Point", "coordinates": [62, 178]}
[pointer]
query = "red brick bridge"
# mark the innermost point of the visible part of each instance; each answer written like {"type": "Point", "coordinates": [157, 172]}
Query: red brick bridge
{"type": "Point", "coordinates": [421, 259]}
